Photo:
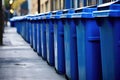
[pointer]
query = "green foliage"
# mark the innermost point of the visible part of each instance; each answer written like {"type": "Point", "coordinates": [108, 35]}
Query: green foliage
{"type": "Point", "coordinates": [7, 4]}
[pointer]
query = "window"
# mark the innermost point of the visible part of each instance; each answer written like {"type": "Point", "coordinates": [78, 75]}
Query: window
{"type": "Point", "coordinates": [105, 1]}
{"type": "Point", "coordinates": [67, 4]}
{"type": "Point", "coordinates": [46, 6]}
{"type": "Point", "coordinates": [91, 2]}
{"type": "Point", "coordinates": [42, 9]}
{"type": "Point", "coordinates": [61, 4]}
{"type": "Point", "coordinates": [81, 3]}
{"type": "Point", "coordinates": [58, 4]}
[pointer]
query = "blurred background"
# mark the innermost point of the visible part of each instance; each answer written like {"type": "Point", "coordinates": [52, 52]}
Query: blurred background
{"type": "Point", "coordinates": [22, 7]}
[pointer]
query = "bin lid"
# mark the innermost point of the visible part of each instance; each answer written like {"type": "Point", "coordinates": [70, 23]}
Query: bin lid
{"type": "Point", "coordinates": [56, 14]}
{"type": "Point", "coordinates": [43, 16]}
{"type": "Point", "coordinates": [48, 16]}
{"type": "Point", "coordinates": [39, 16]}
{"type": "Point", "coordinates": [12, 19]}
{"type": "Point", "coordinates": [29, 17]}
{"type": "Point", "coordinates": [84, 12]}
{"type": "Point", "coordinates": [67, 13]}
{"type": "Point", "coordinates": [53, 14]}
{"type": "Point", "coordinates": [19, 18]}
{"type": "Point", "coordinates": [111, 9]}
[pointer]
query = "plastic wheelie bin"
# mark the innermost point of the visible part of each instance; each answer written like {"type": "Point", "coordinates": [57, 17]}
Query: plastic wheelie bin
{"type": "Point", "coordinates": [58, 42]}
{"type": "Point", "coordinates": [70, 44]}
{"type": "Point", "coordinates": [23, 28]}
{"type": "Point", "coordinates": [12, 22]}
{"type": "Point", "coordinates": [31, 32]}
{"type": "Point", "coordinates": [43, 37]}
{"type": "Point", "coordinates": [39, 51]}
{"type": "Point", "coordinates": [28, 29]}
{"type": "Point", "coordinates": [88, 44]}
{"type": "Point", "coordinates": [35, 33]}
{"type": "Point", "coordinates": [108, 19]}
{"type": "Point", "coordinates": [49, 39]}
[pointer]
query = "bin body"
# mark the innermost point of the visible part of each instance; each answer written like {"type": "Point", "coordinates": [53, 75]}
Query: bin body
{"type": "Point", "coordinates": [20, 28]}
{"type": "Point", "coordinates": [39, 38]}
{"type": "Point", "coordinates": [88, 46]}
{"type": "Point", "coordinates": [35, 35]}
{"type": "Point", "coordinates": [108, 20]}
{"type": "Point", "coordinates": [43, 40]}
{"type": "Point", "coordinates": [28, 38]}
{"type": "Point", "coordinates": [50, 42]}
{"type": "Point", "coordinates": [27, 31]}
{"type": "Point", "coordinates": [24, 29]}
{"type": "Point", "coordinates": [12, 23]}
{"type": "Point", "coordinates": [112, 51]}
{"type": "Point", "coordinates": [59, 46]}
{"type": "Point", "coordinates": [17, 26]}
{"type": "Point", "coordinates": [70, 41]}
{"type": "Point", "coordinates": [31, 33]}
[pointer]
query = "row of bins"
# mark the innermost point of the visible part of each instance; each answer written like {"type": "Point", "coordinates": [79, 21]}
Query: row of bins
{"type": "Point", "coordinates": [83, 43]}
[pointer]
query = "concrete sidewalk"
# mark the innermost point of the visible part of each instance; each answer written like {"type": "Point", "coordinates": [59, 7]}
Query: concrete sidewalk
{"type": "Point", "coordinates": [19, 62]}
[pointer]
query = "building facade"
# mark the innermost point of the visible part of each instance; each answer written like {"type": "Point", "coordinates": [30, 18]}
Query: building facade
{"type": "Point", "coordinates": [52, 5]}
{"type": "Point", "coordinates": [33, 6]}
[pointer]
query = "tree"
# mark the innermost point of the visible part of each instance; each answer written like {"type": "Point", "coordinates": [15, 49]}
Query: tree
{"type": "Point", "coordinates": [1, 23]}
{"type": "Point", "coordinates": [17, 3]}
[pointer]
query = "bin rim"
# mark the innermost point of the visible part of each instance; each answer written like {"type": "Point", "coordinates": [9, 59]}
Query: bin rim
{"type": "Point", "coordinates": [107, 13]}
{"type": "Point", "coordinates": [67, 13]}
{"type": "Point", "coordinates": [111, 9]}
{"type": "Point", "coordinates": [82, 15]}
{"type": "Point", "coordinates": [84, 12]}
{"type": "Point", "coordinates": [56, 14]}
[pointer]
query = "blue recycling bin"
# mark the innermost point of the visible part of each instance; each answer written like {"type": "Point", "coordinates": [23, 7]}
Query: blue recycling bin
{"type": "Point", "coordinates": [31, 32]}
{"type": "Point", "coordinates": [35, 33]}
{"type": "Point", "coordinates": [17, 24]}
{"type": "Point", "coordinates": [70, 42]}
{"type": "Point", "coordinates": [29, 25]}
{"type": "Point", "coordinates": [20, 25]}
{"type": "Point", "coordinates": [88, 44]}
{"type": "Point", "coordinates": [12, 22]}
{"type": "Point", "coordinates": [58, 42]}
{"type": "Point", "coordinates": [39, 51]}
{"type": "Point", "coordinates": [108, 18]}
{"type": "Point", "coordinates": [27, 30]}
{"type": "Point", "coordinates": [49, 39]}
{"type": "Point", "coordinates": [43, 37]}
{"type": "Point", "coordinates": [22, 28]}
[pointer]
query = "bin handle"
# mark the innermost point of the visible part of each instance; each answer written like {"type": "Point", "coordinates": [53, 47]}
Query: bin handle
{"type": "Point", "coordinates": [93, 39]}
{"type": "Point", "coordinates": [61, 33]}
